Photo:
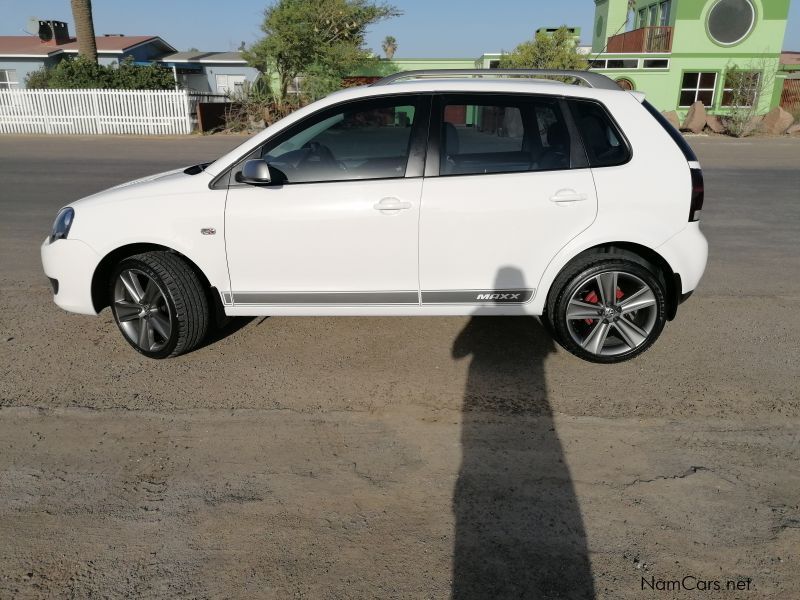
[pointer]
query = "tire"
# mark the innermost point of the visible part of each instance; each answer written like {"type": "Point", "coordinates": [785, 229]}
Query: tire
{"type": "Point", "coordinates": [170, 316]}
{"type": "Point", "coordinates": [586, 323]}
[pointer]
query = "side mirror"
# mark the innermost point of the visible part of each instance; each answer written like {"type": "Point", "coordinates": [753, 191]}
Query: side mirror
{"type": "Point", "coordinates": [254, 172]}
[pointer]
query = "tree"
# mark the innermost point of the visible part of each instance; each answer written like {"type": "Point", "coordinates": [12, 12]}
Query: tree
{"type": "Point", "coordinates": [84, 29]}
{"type": "Point", "coordinates": [317, 39]}
{"type": "Point", "coordinates": [389, 46]}
{"type": "Point", "coordinates": [557, 50]}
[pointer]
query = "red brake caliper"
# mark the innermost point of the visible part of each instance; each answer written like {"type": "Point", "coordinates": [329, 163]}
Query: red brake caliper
{"type": "Point", "coordinates": [593, 298]}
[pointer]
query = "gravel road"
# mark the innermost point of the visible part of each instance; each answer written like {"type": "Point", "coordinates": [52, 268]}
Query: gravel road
{"type": "Point", "coordinates": [402, 458]}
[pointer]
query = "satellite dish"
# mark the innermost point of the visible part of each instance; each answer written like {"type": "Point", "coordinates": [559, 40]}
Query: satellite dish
{"type": "Point", "coordinates": [33, 26]}
{"type": "Point", "coordinates": [45, 31]}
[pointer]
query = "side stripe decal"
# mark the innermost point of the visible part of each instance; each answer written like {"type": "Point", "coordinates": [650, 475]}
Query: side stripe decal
{"type": "Point", "coordinates": [325, 298]}
{"type": "Point", "coordinates": [477, 297]}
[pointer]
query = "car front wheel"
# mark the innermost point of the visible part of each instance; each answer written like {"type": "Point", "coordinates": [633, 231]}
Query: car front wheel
{"type": "Point", "coordinates": [159, 304]}
{"type": "Point", "coordinates": [607, 309]}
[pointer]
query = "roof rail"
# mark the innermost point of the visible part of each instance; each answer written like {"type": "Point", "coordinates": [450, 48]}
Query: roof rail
{"type": "Point", "coordinates": [589, 78]}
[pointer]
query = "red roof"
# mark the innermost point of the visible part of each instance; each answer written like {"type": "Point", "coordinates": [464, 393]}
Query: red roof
{"type": "Point", "coordinates": [21, 45]}
{"type": "Point", "coordinates": [790, 58]}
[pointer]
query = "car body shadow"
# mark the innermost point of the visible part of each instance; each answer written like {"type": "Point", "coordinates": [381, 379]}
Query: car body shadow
{"type": "Point", "coordinates": [519, 531]}
{"type": "Point", "coordinates": [225, 328]}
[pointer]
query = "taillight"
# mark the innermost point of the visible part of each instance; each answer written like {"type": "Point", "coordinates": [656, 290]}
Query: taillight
{"type": "Point", "coordinates": [698, 195]}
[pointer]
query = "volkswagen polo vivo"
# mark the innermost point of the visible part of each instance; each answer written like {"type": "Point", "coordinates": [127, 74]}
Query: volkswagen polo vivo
{"type": "Point", "coordinates": [432, 193]}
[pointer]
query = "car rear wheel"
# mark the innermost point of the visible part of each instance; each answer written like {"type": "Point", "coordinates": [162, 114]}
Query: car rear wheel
{"type": "Point", "coordinates": [608, 310]}
{"type": "Point", "coordinates": [159, 304]}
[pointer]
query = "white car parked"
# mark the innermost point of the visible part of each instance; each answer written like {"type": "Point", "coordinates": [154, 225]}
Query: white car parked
{"type": "Point", "coordinates": [429, 193]}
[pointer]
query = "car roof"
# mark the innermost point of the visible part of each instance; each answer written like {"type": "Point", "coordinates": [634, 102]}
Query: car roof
{"type": "Point", "coordinates": [472, 84]}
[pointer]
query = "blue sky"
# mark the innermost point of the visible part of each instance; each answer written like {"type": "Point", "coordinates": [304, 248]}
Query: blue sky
{"type": "Point", "coordinates": [429, 28]}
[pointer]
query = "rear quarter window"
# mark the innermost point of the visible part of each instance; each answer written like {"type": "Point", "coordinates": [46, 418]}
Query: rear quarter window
{"type": "Point", "coordinates": [602, 139]}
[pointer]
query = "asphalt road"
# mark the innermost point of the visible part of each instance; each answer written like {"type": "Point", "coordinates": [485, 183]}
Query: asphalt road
{"type": "Point", "coordinates": [402, 458]}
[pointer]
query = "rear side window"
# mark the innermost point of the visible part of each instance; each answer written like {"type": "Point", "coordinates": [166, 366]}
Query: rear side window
{"type": "Point", "coordinates": [605, 146]}
{"type": "Point", "coordinates": [673, 133]}
{"type": "Point", "coordinates": [484, 135]}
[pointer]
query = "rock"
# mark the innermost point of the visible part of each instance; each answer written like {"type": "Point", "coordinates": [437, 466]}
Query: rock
{"type": "Point", "coordinates": [777, 121]}
{"type": "Point", "coordinates": [714, 124]}
{"type": "Point", "coordinates": [794, 129]}
{"type": "Point", "coordinates": [695, 119]}
{"type": "Point", "coordinates": [672, 117]}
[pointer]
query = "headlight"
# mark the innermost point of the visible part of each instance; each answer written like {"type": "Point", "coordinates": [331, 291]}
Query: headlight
{"type": "Point", "coordinates": [62, 224]}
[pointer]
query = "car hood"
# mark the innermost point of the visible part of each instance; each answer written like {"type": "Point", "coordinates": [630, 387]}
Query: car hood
{"type": "Point", "coordinates": [177, 181]}
{"type": "Point", "coordinates": [146, 179]}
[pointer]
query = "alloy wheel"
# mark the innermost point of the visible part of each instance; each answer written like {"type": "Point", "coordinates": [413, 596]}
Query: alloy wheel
{"type": "Point", "coordinates": [142, 310]}
{"type": "Point", "coordinates": [611, 313]}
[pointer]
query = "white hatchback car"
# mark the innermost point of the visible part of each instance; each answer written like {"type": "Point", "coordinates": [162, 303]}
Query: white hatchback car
{"type": "Point", "coordinates": [429, 193]}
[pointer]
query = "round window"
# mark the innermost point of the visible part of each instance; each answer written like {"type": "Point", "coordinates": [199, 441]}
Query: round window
{"type": "Point", "coordinates": [598, 30]}
{"type": "Point", "coordinates": [626, 84]}
{"type": "Point", "coordinates": [729, 21]}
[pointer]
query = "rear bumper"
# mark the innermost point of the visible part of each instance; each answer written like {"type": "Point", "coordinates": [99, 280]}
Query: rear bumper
{"type": "Point", "coordinates": [70, 266]}
{"type": "Point", "coordinates": [687, 254]}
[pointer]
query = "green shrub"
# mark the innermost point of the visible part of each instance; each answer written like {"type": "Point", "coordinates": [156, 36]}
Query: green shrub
{"type": "Point", "coordinates": [80, 73]}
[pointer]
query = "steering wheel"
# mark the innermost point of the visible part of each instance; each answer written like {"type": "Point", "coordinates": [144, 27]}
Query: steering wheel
{"type": "Point", "coordinates": [323, 153]}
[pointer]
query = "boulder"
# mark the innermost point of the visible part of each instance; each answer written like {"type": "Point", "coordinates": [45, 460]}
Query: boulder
{"type": "Point", "coordinates": [777, 121]}
{"type": "Point", "coordinates": [695, 119]}
{"type": "Point", "coordinates": [794, 129]}
{"type": "Point", "coordinates": [672, 117]}
{"type": "Point", "coordinates": [714, 124]}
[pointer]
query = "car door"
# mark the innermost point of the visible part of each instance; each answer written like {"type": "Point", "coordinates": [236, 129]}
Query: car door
{"type": "Point", "coordinates": [338, 225]}
{"type": "Point", "coordinates": [505, 189]}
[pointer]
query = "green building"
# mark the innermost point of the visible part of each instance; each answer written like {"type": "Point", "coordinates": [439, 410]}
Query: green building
{"type": "Point", "coordinates": [682, 51]}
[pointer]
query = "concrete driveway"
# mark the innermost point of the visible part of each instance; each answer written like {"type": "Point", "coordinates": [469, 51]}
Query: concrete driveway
{"type": "Point", "coordinates": [402, 458]}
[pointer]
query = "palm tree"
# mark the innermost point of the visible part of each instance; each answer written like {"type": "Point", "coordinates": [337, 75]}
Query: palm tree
{"type": "Point", "coordinates": [389, 46]}
{"type": "Point", "coordinates": [84, 29]}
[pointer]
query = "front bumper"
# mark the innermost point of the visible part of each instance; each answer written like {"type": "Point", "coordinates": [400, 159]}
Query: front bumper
{"type": "Point", "coordinates": [687, 254]}
{"type": "Point", "coordinates": [72, 264]}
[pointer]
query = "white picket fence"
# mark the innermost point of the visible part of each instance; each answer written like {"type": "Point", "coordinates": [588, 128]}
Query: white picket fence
{"type": "Point", "coordinates": [95, 112]}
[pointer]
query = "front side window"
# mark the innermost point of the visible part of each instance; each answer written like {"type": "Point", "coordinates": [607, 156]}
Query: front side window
{"type": "Point", "coordinates": [602, 139]}
{"type": "Point", "coordinates": [8, 79]}
{"type": "Point", "coordinates": [698, 86]}
{"type": "Point", "coordinates": [362, 140]}
{"type": "Point", "coordinates": [485, 136]}
{"type": "Point", "coordinates": [741, 88]}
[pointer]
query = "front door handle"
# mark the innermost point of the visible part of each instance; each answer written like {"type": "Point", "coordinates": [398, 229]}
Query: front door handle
{"type": "Point", "coordinates": [391, 205]}
{"type": "Point", "coordinates": [567, 197]}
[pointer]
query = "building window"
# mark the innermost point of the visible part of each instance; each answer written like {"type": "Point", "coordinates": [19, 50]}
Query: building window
{"type": "Point", "coordinates": [741, 88]}
{"type": "Point", "coordinates": [8, 79]}
{"type": "Point", "coordinates": [729, 21]}
{"type": "Point", "coordinates": [654, 15]}
{"type": "Point", "coordinates": [666, 6]}
{"type": "Point", "coordinates": [628, 63]}
{"type": "Point", "coordinates": [597, 64]}
{"type": "Point", "coordinates": [230, 84]}
{"type": "Point", "coordinates": [698, 86]}
{"type": "Point", "coordinates": [642, 20]}
{"type": "Point", "coordinates": [655, 63]}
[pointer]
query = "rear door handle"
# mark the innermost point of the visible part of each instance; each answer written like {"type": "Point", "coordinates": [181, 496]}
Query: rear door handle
{"type": "Point", "coordinates": [568, 196]}
{"type": "Point", "coordinates": [391, 205]}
